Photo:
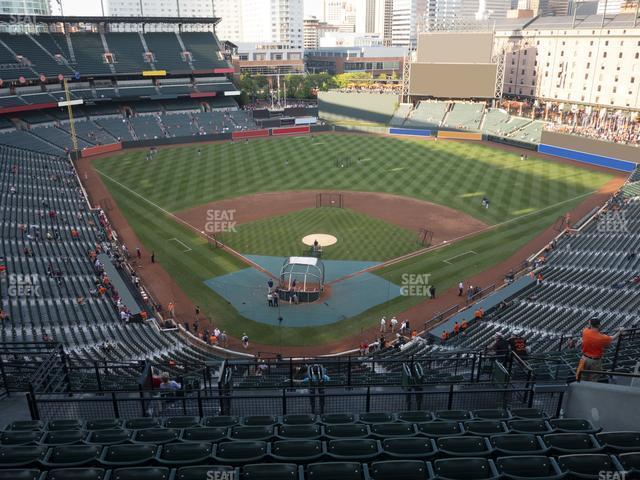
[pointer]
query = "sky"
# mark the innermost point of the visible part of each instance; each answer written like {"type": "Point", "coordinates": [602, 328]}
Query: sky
{"type": "Point", "coordinates": [92, 7]}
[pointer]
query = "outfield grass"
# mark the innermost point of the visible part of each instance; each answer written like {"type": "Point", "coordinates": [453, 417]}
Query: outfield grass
{"type": "Point", "coordinates": [360, 237]}
{"type": "Point", "coordinates": [454, 174]}
{"type": "Point", "coordinates": [530, 195]}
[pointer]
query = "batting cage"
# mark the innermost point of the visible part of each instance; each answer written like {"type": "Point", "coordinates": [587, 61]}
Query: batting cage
{"type": "Point", "coordinates": [335, 200]}
{"type": "Point", "coordinates": [301, 279]}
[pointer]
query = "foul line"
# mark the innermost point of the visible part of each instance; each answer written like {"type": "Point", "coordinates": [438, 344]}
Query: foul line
{"type": "Point", "coordinates": [458, 256]}
{"type": "Point", "coordinates": [199, 232]}
{"type": "Point", "coordinates": [188, 248]}
{"type": "Point", "coordinates": [433, 248]}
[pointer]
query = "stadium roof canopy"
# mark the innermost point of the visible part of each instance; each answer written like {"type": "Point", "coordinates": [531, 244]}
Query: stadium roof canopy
{"type": "Point", "coordinates": [51, 19]}
{"type": "Point", "coordinates": [622, 20]}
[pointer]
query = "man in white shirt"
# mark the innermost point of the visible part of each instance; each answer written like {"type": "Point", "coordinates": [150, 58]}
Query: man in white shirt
{"type": "Point", "coordinates": [383, 324]}
{"type": "Point", "coordinates": [394, 324]}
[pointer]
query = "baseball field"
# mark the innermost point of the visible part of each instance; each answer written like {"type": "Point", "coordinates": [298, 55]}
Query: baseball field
{"type": "Point", "coordinates": [263, 194]}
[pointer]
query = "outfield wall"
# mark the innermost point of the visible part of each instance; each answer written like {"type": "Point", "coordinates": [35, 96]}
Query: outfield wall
{"type": "Point", "coordinates": [451, 135]}
{"type": "Point", "coordinates": [411, 132]}
{"type": "Point", "coordinates": [588, 150]}
{"type": "Point", "coordinates": [357, 107]}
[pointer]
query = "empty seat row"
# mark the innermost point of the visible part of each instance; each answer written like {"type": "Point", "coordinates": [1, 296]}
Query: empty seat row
{"type": "Point", "coordinates": [239, 452]}
{"type": "Point", "coordinates": [417, 416]}
{"type": "Point", "coordinates": [529, 467]}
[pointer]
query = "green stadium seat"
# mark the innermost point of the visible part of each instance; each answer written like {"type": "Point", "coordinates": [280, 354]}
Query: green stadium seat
{"type": "Point", "coordinates": [20, 437]}
{"type": "Point", "coordinates": [376, 417]}
{"type": "Point", "coordinates": [453, 415]}
{"type": "Point", "coordinates": [337, 418]}
{"type": "Point", "coordinates": [299, 419]}
{"type": "Point", "coordinates": [465, 469]}
{"type": "Point", "coordinates": [71, 456]}
{"type": "Point", "coordinates": [251, 433]}
{"type": "Point", "coordinates": [65, 424]}
{"type": "Point", "coordinates": [390, 430]}
{"type": "Point", "coordinates": [399, 470]}
{"type": "Point", "coordinates": [241, 452]}
{"type": "Point", "coordinates": [108, 437]}
{"type": "Point", "coordinates": [77, 474]}
{"type": "Point", "coordinates": [619, 442]}
{"type": "Point", "coordinates": [572, 425]}
{"type": "Point", "coordinates": [631, 463]}
{"type": "Point", "coordinates": [415, 416]}
{"type": "Point", "coordinates": [184, 454]}
{"type": "Point", "coordinates": [259, 420]}
{"type": "Point", "coordinates": [202, 472]}
{"type": "Point", "coordinates": [528, 413]}
{"type": "Point", "coordinates": [204, 434]}
{"type": "Point", "coordinates": [26, 425]}
{"type": "Point", "coordinates": [409, 448]}
{"type": "Point", "coordinates": [518, 444]}
{"type": "Point", "coordinates": [20, 474]}
{"type": "Point", "coordinates": [299, 451]}
{"type": "Point", "coordinates": [299, 431]}
{"type": "Point", "coordinates": [103, 424]}
{"type": "Point", "coordinates": [346, 431]}
{"type": "Point", "coordinates": [221, 421]}
{"type": "Point", "coordinates": [271, 471]}
{"type": "Point", "coordinates": [141, 423]}
{"type": "Point", "coordinates": [156, 435]}
{"type": "Point", "coordinates": [492, 414]}
{"type": "Point", "coordinates": [440, 429]}
{"type": "Point", "coordinates": [568, 443]}
{"type": "Point", "coordinates": [361, 450]}
{"type": "Point", "coordinates": [537, 467]}
{"type": "Point", "coordinates": [464, 446]}
{"type": "Point", "coordinates": [485, 427]}
{"type": "Point", "coordinates": [141, 473]}
{"type": "Point", "coordinates": [63, 437]}
{"type": "Point", "coordinates": [586, 465]}
{"type": "Point", "coordinates": [128, 455]}
{"type": "Point", "coordinates": [182, 422]}
{"type": "Point", "coordinates": [335, 471]}
{"type": "Point", "coordinates": [529, 426]}
{"type": "Point", "coordinates": [21, 456]}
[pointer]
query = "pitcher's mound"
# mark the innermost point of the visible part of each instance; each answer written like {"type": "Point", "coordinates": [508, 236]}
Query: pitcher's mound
{"type": "Point", "coordinates": [323, 239]}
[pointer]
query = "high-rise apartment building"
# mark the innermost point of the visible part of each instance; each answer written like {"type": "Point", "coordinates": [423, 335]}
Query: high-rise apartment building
{"type": "Point", "coordinates": [408, 19]}
{"type": "Point", "coordinates": [24, 7]}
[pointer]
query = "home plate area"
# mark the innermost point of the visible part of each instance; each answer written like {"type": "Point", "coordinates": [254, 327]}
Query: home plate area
{"type": "Point", "coordinates": [247, 291]}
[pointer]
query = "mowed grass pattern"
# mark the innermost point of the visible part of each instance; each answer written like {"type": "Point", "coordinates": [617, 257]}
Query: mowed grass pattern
{"type": "Point", "coordinates": [454, 174]}
{"type": "Point", "coordinates": [360, 237]}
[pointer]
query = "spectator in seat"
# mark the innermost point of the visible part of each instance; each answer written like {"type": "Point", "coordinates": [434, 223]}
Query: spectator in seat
{"type": "Point", "coordinates": [594, 344]}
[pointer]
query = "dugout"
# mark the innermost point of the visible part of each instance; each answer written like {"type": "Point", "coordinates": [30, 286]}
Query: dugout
{"type": "Point", "coordinates": [302, 276]}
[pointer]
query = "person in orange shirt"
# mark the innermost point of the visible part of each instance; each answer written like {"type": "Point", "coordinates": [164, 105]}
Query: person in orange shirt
{"type": "Point", "coordinates": [478, 314]}
{"type": "Point", "coordinates": [456, 328]}
{"type": "Point", "coordinates": [464, 325]}
{"type": "Point", "coordinates": [594, 344]}
{"type": "Point", "coordinates": [444, 336]}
